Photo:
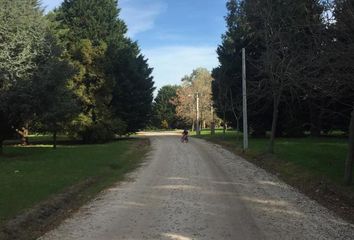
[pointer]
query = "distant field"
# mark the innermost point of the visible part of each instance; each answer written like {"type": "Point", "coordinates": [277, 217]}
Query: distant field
{"type": "Point", "coordinates": [321, 156]}
{"type": "Point", "coordinates": [31, 174]}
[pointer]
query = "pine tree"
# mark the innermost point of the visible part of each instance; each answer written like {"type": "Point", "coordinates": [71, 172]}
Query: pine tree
{"type": "Point", "coordinates": [134, 86]}
{"type": "Point", "coordinates": [114, 86]}
{"type": "Point", "coordinates": [163, 107]}
{"type": "Point", "coordinates": [95, 20]}
{"type": "Point", "coordinates": [90, 27]}
{"type": "Point", "coordinates": [227, 84]}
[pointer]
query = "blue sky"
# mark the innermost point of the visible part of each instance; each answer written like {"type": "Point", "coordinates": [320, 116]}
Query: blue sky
{"type": "Point", "coordinates": [176, 36]}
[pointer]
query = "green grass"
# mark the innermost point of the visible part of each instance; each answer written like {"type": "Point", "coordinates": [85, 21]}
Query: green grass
{"type": "Point", "coordinates": [323, 157]}
{"type": "Point", "coordinates": [29, 175]}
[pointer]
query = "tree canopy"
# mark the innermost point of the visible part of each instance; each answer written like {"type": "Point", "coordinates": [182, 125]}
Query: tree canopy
{"type": "Point", "coordinates": [73, 70]}
{"type": "Point", "coordinates": [299, 66]}
{"type": "Point", "coordinates": [22, 37]}
{"type": "Point", "coordinates": [197, 84]}
{"type": "Point", "coordinates": [163, 108]}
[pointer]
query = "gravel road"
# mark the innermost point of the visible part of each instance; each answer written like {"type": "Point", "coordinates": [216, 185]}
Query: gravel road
{"type": "Point", "coordinates": [200, 191]}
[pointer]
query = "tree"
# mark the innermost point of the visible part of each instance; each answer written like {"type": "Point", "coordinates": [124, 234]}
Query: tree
{"type": "Point", "coordinates": [56, 106]}
{"type": "Point", "coordinates": [227, 84]}
{"type": "Point", "coordinates": [22, 35]}
{"type": "Point", "coordinates": [199, 82]}
{"type": "Point", "coordinates": [342, 66]}
{"type": "Point", "coordinates": [286, 32]}
{"type": "Point", "coordinates": [133, 91]}
{"type": "Point", "coordinates": [163, 107]}
{"type": "Point", "coordinates": [114, 85]}
{"type": "Point", "coordinates": [86, 40]}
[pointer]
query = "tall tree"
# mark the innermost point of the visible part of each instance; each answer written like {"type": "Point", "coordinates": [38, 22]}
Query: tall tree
{"type": "Point", "coordinates": [114, 85]}
{"type": "Point", "coordinates": [55, 103]}
{"type": "Point", "coordinates": [87, 41]}
{"type": "Point", "coordinates": [344, 71]}
{"type": "Point", "coordinates": [22, 35]}
{"type": "Point", "coordinates": [133, 91]}
{"type": "Point", "coordinates": [283, 29]}
{"type": "Point", "coordinates": [227, 84]}
{"type": "Point", "coordinates": [199, 82]}
{"type": "Point", "coordinates": [163, 107]}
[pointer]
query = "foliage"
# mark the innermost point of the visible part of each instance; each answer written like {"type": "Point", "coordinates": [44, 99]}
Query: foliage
{"type": "Point", "coordinates": [164, 110]}
{"type": "Point", "coordinates": [199, 82]}
{"type": "Point", "coordinates": [300, 66]}
{"type": "Point", "coordinates": [164, 124]}
{"type": "Point", "coordinates": [284, 42]}
{"type": "Point", "coordinates": [22, 33]}
{"type": "Point", "coordinates": [71, 70]}
{"type": "Point", "coordinates": [342, 59]}
{"type": "Point", "coordinates": [133, 91]}
{"type": "Point", "coordinates": [113, 77]}
{"type": "Point", "coordinates": [55, 103]}
{"type": "Point", "coordinates": [227, 84]}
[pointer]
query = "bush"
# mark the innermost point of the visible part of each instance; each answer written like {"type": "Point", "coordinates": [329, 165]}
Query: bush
{"type": "Point", "coordinates": [119, 127]}
{"type": "Point", "coordinates": [164, 124]}
{"type": "Point", "coordinates": [98, 133]}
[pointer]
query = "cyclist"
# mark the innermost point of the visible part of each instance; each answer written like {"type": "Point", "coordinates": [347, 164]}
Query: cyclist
{"type": "Point", "coordinates": [184, 138]}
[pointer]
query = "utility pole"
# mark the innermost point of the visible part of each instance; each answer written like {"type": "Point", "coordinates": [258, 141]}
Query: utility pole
{"type": "Point", "coordinates": [198, 116]}
{"type": "Point", "coordinates": [244, 96]}
{"type": "Point", "coordinates": [212, 125]}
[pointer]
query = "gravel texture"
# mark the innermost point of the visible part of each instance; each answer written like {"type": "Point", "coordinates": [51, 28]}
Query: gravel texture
{"type": "Point", "coordinates": [199, 190]}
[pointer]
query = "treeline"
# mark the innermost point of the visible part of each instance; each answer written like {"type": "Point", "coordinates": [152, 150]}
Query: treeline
{"type": "Point", "coordinates": [72, 70]}
{"type": "Point", "coordinates": [176, 106]}
{"type": "Point", "coordinates": [300, 60]}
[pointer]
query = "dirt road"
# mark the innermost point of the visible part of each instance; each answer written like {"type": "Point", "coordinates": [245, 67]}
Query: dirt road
{"type": "Point", "coordinates": [201, 191]}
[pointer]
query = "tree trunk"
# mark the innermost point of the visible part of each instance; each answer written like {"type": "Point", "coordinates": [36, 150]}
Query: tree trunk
{"type": "Point", "coordinates": [212, 125]}
{"type": "Point", "coordinates": [274, 123]}
{"type": "Point", "coordinates": [212, 128]}
{"type": "Point", "coordinates": [224, 124]}
{"type": "Point", "coordinates": [55, 139]}
{"type": "Point", "coordinates": [348, 175]}
{"type": "Point", "coordinates": [1, 147]}
{"type": "Point", "coordinates": [238, 130]}
{"type": "Point", "coordinates": [315, 129]}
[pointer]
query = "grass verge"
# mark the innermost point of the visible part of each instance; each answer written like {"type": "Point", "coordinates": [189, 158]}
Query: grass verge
{"type": "Point", "coordinates": [315, 166]}
{"type": "Point", "coordinates": [40, 185]}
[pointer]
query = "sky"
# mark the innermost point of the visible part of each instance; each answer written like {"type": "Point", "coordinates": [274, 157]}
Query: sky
{"type": "Point", "coordinates": [176, 36]}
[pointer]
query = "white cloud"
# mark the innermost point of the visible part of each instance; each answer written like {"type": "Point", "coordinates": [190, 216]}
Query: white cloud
{"type": "Point", "coordinates": [171, 63]}
{"type": "Point", "coordinates": [140, 16]}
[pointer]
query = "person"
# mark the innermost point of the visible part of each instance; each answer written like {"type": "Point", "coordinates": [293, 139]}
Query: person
{"type": "Point", "coordinates": [184, 138]}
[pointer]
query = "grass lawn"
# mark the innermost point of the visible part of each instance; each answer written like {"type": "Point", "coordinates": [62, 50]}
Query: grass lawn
{"type": "Point", "coordinates": [315, 166]}
{"type": "Point", "coordinates": [32, 174]}
{"type": "Point", "coordinates": [323, 157]}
